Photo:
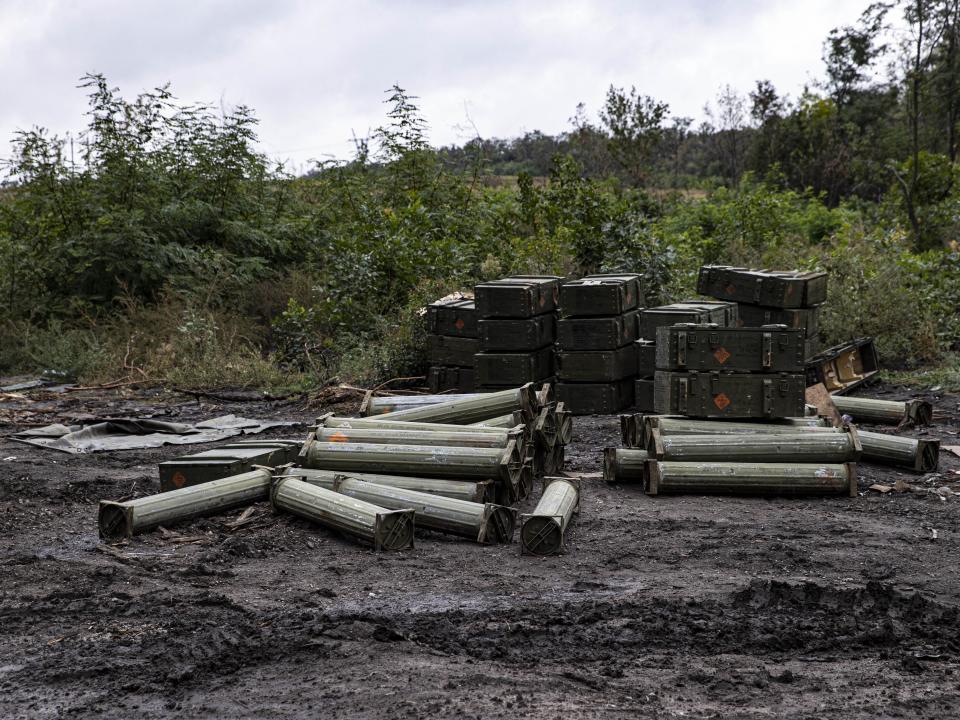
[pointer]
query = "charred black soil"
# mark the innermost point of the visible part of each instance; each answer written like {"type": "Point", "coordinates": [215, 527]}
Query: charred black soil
{"type": "Point", "coordinates": [662, 607]}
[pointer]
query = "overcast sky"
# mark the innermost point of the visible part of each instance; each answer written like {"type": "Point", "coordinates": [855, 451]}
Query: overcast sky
{"type": "Point", "coordinates": [315, 71]}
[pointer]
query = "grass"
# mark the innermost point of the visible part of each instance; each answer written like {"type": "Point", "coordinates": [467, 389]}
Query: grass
{"type": "Point", "coordinates": [945, 375]}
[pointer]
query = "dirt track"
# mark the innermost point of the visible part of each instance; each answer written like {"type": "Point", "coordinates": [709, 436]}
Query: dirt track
{"type": "Point", "coordinates": [662, 607]}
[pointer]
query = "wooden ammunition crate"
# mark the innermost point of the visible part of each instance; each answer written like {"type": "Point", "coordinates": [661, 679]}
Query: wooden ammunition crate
{"type": "Point", "coordinates": [646, 358]}
{"type": "Point", "coordinates": [643, 394]}
{"type": "Point", "coordinates": [443, 378]}
{"type": "Point", "coordinates": [597, 295]}
{"type": "Point", "coordinates": [517, 297]}
{"type": "Point", "coordinates": [805, 319]}
{"type": "Point", "coordinates": [513, 369]}
{"type": "Point", "coordinates": [666, 315]}
{"type": "Point", "coordinates": [517, 335]}
{"type": "Point", "coordinates": [597, 365]}
{"type": "Point", "coordinates": [225, 461]}
{"type": "Point", "coordinates": [456, 351]}
{"type": "Point", "coordinates": [598, 333]}
{"type": "Point", "coordinates": [456, 317]}
{"type": "Point", "coordinates": [729, 395]}
{"type": "Point", "coordinates": [773, 288]}
{"type": "Point", "coordinates": [774, 348]}
{"type": "Point", "coordinates": [596, 398]}
{"type": "Point", "coordinates": [844, 367]}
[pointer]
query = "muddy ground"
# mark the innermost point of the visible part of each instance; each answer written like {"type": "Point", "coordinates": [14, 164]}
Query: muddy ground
{"type": "Point", "coordinates": [663, 607]}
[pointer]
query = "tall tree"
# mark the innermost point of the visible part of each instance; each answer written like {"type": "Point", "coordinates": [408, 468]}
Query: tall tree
{"type": "Point", "coordinates": [635, 124]}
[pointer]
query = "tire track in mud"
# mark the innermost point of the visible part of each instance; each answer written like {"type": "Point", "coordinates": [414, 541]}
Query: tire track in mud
{"type": "Point", "coordinates": [152, 642]}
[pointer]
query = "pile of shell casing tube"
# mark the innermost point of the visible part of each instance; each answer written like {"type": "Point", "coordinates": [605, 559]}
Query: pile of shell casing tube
{"type": "Point", "coordinates": [787, 456]}
{"type": "Point", "coordinates": [457, 465]}
{"type": "Point", "coordinates": [484, 449]}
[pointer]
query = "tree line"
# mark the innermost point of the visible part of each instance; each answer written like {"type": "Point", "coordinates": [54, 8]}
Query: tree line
{"type": "Point", "coordinates": [883, 124]}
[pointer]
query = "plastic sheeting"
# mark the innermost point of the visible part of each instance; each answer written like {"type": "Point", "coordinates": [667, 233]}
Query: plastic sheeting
{"type": "Point", "coordinates": [110, 434]}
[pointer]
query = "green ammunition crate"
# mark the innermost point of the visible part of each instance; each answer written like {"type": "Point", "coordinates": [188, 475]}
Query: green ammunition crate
{"type": "Point", "coordinates": [598, 333]}
{"type": "Point", "coordinates": [517, 297]}
{"type": "Point", "coordinates": [596, 398]}
{"type": "Point", "coordinates": [455, 317]}
{"type": "Point", "coordinates": [686, 312]}
{"type": "Point", "coordinates": [597, 365]}
{"type": "Point", "coordinates": [517, 335]}
{"type": "Point", "coordinates": [646, 358]}
{"type": "Point", "coordinates": [225, 461]}
{"type": "Point", "coordinates": [443, 378]}
{"type": "Point", "coordinates": [513, 369]}
{"type": "Point", "coordinates": [811, 347]}
{"type": "Point", "coordinates": [722, 312]}
{"type": "Point", "coordinates": [643, 394]}
{"type": "Point", "coordinates": [600, 295]}
{"type": "Point", "coordinates": [457, 351]}
{"type": "Point", "coordinates": [774, 348]}
{"type": "Point", "coordinates": [773, 288]}
{"type": "Point", "coordinates": [729, 395]}
{"type": "Point", "coordinates": [805, 319]}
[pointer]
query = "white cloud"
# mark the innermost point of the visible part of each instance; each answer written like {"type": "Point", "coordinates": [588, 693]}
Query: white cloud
{"type": "Point", "coordinates": [315, 71]}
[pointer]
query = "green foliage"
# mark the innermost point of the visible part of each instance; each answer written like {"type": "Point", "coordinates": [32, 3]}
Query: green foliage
{"type": "Point", "coordinates": [635, 124]}
{"type": "Point", "coordinates": [171, 252]}
{"type": "Point", "coordinates": [61, 351]}
{"type": "Point", "coordinates": [154, 193]}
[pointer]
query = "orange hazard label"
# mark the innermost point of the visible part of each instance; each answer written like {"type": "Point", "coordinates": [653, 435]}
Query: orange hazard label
{"type": "Point", "coordinates": [178, 479]}
{"type": "Point", "coordinates": [721, 354]}
{"type": "Point", "coordinates": [730, 289]}
{"type": "Point", "coordinates": [543, 301]}
{"type": "Point", "coordinates": [721, 401]}
{"type": "Point", "coordinates": [338, 437]}
{"type": "Point", "coordinates": [459, 324]}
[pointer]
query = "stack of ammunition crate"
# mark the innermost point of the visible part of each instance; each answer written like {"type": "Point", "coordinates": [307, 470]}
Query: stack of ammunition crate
{"type": "Point", "coordinates": [771, 297]}
{"type": "Point", "coordinates": [452, 344]}
{"type": "Point", "coordinates": [596, 354]}
{"type": "Point", "coordinates": [517, 327]}
{"type": "Point", "coordinates": [721, 314]}
{"type": "Point", "coordinates": [729, 373]}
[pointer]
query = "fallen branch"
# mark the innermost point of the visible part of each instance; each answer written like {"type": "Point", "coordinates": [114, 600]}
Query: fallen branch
{"type": "Point", "coordinates": [113, 385]}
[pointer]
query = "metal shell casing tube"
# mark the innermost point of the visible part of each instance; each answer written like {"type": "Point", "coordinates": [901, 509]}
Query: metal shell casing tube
{"type": "Point", "coordinates": [117, 520]}
{"type": "Point", "coordinates": [384, 529]}
{"type": "Point", "coordinates": [382, 423]}
{"type": "Point", "coordinates": [732, 478]}
{"type": "Point", "coordinates": [372, 406]}
{"type": "Point", "coordinates": [475, 408]}
{"type": "Point", "coordinates": [481, 522]}
{"type": "Point", "coordinates": [542, 532]}
{"type": "Point", "coordinates": [890, 412]}
{"type": "Point", "coordinates": [501, 421]}
{"type": "Point", "coordinates": [472, 491]}
{"type": "Point", "coordinates": [799, 447]}
{"type": "Point", "coordinates": [383, 436]}
{"type": "Point", "coordinates": [671, 425]}
{"type": "Point", "coordinates": [917, 454]}
{"type": "Point", "coordinates": [626, 465]}
{"type": "Point", "coordinates": [454, 463]}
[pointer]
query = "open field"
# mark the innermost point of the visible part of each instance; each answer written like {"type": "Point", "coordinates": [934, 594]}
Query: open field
{"type": "Point", "coordinates": [662, 607]}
